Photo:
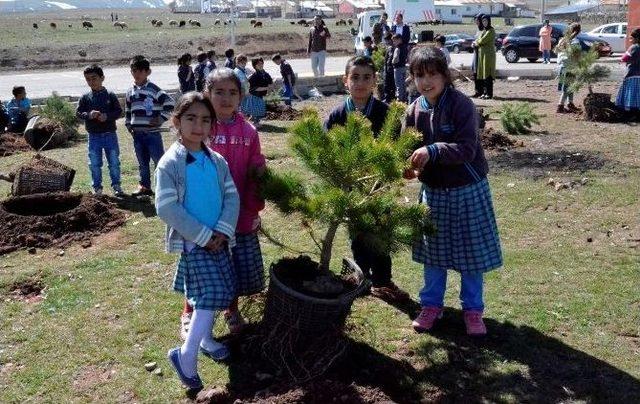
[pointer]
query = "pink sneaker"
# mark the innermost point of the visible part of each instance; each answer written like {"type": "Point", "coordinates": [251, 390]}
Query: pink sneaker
{"type": "Point", "coordinates": [474, 323]}
{"type": "Point", "coordinates": [428, 315]}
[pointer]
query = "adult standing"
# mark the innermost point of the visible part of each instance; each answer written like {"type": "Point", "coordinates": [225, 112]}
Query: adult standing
{"type": "Point", "coordinates": [400, 28]}
{"type": "Point", "coordinates": [380, 29]}
{"type": "Point", "coordinates": [628, 97]}
{"type": "Point", "coordinates": [318, 45]}
{"type": "Point", "coordinates": [479, 89]}
{"type": "Point", "coordinates": [545, 42]}
{"type": "Point", "coordinates": [486, 68]}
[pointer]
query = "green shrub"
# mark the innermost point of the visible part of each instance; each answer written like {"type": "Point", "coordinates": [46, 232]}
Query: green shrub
{"type": "Point", "coordinates": [517, 118]}
{"type": "Point", "coordinates": [59, 110]}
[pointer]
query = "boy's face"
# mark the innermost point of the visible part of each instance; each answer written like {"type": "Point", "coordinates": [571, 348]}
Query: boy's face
{"type": "Point", "coordinates": [368, 44]}
{"type": "Point", "coordinates": [140, 76]}
{"type": "Point", "coordinates": [397, 41]}
{"type": "Point", "coordinates": [21, 96]}
{"type": "Point", "coordinates": [360, 82]}
{"type": "Point", "coordinates": [94, 81]}
{"type": "Point", "coordinates": [259, 65]}
{"type": "Point", "coordinates": [277, 61]}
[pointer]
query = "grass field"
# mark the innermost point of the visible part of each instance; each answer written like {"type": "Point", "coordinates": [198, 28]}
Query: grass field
{"type": "Point", "coordinates": [563, 314]}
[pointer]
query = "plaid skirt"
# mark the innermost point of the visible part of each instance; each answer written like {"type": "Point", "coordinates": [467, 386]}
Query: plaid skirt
{"type": "Point", "coordinates": [253, 106]}
{"type": "Point", "coordinates": [248, 265]}
{"type": "Point", "coordinates": [629, 94]}
{"type": "Point", "coordinates": [206, 279]}
{"type": "Point", "coordinates": [467, 237]}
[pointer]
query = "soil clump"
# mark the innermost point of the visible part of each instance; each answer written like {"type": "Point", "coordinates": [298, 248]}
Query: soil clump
{"type": "Point", "coordinates": [54, 219]}
{"type": "Point", "coordinates": [493, 139]}
{"type": "Point", "coordinates": [12, 143]}
{"type": "Point", "coordinates": [277, 112]}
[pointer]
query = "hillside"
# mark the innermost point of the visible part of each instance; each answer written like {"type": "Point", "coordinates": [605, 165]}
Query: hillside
{"type": "Point", "coordinates": [9, 6]}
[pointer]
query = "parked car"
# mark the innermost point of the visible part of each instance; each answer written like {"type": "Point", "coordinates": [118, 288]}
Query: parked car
{"type": "Point", "coordinates": [457, 43]}
{"type": "Point", "coordinates": [615, 34]}
{"type": "Point", "coordinates": [499, 38]}
{"type": "Point", "coordinates": [523, 41]}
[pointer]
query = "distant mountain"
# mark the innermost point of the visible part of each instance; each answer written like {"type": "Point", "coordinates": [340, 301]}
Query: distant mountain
{"type": "Point", "coordinates": [8, 6]}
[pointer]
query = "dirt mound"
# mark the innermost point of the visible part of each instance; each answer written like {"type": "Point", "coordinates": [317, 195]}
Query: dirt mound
{"type": "Point", "coordinates": [277, 112]}
{"type": "Point", "coordinates": [11, 143]}
{"type": "Point", "coordinates": [55, 219]}
{"type": "Point", "coordinates": [326, 391]}
{"type": "Point", "coordinates": [47, 134]}
{"type": "Point", "coordinates": [492, 139]}
{"type": "Point", "coordinates": [29, 290]}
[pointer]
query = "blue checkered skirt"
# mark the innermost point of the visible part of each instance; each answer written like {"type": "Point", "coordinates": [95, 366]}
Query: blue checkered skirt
{"type": "Point", "coordinates": [248, 264]}
{"type": "Point", "coordinates": [206, 278]}
{"type": "Point", "coordinates": [629, 94]}
{"type": "Point", "coordinates": [467, 237]}
{"type": "Point", "coordinates": [253, 106]}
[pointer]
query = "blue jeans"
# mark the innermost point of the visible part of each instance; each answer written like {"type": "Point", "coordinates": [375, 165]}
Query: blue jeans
{"type": "Point", "coordinates": [108, 142]}
{"type": "Point", "coordinates": [546, 55]}
{"type": "Point", "coordinates": [399, 77]}
{"type": "Point", "coordinates": [287, 93]}
{"type": "Point", "coordinates": [435, 284]}
{"type": "Point", "coordinates": [148, 146]}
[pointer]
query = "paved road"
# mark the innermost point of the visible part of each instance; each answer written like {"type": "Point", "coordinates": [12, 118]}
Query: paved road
{"type": "Point", "coordinates": [70, 82]}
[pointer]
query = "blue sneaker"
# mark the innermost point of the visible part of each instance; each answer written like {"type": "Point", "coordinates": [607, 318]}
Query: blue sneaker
{"type": "Point", "coordinates": [219, 354]}
{"type": "Point", "coordinates": [192, 383]}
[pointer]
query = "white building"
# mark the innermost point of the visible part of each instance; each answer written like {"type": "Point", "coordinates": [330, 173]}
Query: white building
{"type": "Point", "coordinates": [475, 7]}
{"type": "Point", "coordinates": [449, 11]}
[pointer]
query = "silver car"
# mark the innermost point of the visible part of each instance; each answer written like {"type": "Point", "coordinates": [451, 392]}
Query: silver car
{"type": "Point", "coordinates": [615, 34]}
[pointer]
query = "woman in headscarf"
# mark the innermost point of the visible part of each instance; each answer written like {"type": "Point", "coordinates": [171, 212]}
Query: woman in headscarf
{"type": "Point", "coordinates": [474, 63]}
{"type": "Point", "coordinates": [486, 60]}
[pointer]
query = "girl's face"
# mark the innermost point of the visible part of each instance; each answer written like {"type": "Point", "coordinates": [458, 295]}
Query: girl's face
{"type": "Point", "coordinates": [225, 97]}
{"type": "Point", "coordinates": [485, 22]}
{"type": "Point", "coordinates": [431, 85]}
{"type": "Point", "coordinates": [360, 82]}
{"type": "Point", "coordinates": [194, 126]}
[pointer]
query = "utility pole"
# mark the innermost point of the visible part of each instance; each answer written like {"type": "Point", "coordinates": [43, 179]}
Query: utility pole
{"type": "Point", "coordinates": [542, 10]}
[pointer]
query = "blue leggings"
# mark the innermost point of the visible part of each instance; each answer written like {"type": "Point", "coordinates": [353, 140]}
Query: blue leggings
{"type": "Point", "coordinates": [435, 285]}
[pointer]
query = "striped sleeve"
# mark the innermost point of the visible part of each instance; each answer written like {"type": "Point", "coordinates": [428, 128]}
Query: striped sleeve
{"type": "Point", "coordinates": [167, 103]}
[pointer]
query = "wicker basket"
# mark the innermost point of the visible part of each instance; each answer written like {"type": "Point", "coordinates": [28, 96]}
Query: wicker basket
{"type": "Point", "coordinates": [42, 175]}
{"type": "Point", "coordinates": [311, 315]}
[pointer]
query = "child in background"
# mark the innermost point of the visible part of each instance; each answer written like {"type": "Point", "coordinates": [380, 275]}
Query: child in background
{"type": "Point", "coordinates": [211, 62]}
{"type": "Point", "coordinates": [439, 45]}
{"type": "Point", "coordinates": [368, 47]}
{"type": "Point", "coordinates": [389, 82]}
{"type": "Point", "coordinates": [288, 78]}
{"type": "Point", "coordinates": [147, 107]}
{"type": "Point", "coordinates": [565, 79]}
{"type": "Point", "coordinates": [399, 62]}
{"type": "Point", "coordinates": [241, 72]}
{"type": "Point", "coordinates": [100, 109]}
{"type": "Point", "coordinates": [453, 170]}
{"type": "Point", "coordinates": [4, 118]}
{"type": "Point", "coordinates": [185, 74]}
{"type": "Point", "coordinates": [196, 198]}
{"type": "Point", "coordinates": [229, 62]}
{"type": "Point", "coordinates": [18, 110]}
{"type": "Point", "coordinates": [200, 72]}
{"type": "Point", "coordinates": [628, 98]}
{"type": "Point", "coordinates": [360, 80]}
{"type": "Point", "coordinates": [259, 84]}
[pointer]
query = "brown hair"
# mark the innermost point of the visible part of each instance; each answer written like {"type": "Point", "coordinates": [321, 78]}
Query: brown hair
{"type": "Point", "coordinates": [241, 58]}
{"type": "Point", "coordinates": [221, 74]}
{"type": "Point", "coordinates": [429, 60]}
{"type": "Point", "coordinates": [635, 35]}
{"type": "Point", "coordinates": [574, 29]}
{"type": "Point", "coordinates": [187, 100]}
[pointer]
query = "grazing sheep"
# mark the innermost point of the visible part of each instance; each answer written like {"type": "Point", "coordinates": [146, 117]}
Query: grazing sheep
{"type": "Point", "coordinates": [70, 26]}
{"type": "Point", "coordinates": [292, 22]}
{"type": "Point", "coordinates": [173, 22]}
{"type": "Point", "coordinates": [35, 25]}
{"type": "Point", "coordinates": [194, 23]}
{"type": "Point", "coordinates": [158, 24]}
{"type": "Point", "coordinates": [216, 22]}
{"type": "Point", "coordinates": [252, 22]}
{"type": "Point", "coordinates": [153, 22]}
{"type": "Point", "coordinates": [182, 23]}
{"type": "Point", "coordinates": [302, 22]}
{"type": "Point", "coordinates": [53, 25]}
{"type": "Point", "coordinates": [87, 24]}
{"type": "Point", "coordinates": [120, 24]}
{"type": "Point", "coordinates": [258, 24]}
{"type": "Point", "coordinates": [350, 21]}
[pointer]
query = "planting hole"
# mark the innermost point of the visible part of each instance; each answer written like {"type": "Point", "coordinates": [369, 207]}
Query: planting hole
{"type": "Point", "coordinates": [42, 205]}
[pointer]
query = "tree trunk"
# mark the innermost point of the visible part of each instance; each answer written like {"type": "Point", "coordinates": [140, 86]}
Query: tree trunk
{"type": "Point", "coordinates": [327, 245]}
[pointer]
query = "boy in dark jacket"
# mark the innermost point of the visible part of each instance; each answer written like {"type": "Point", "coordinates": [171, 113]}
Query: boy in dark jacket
{"type": "Point", "coordinates": [389, 82]}
{"type": "Point", "coordinates": [100, 108]}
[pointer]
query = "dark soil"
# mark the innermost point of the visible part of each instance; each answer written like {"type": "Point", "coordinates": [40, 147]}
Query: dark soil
{"type": "Point", "coordinates": [47, 134]}
{"type": "Point", "coordinates": [276, 112]}
{"type": "Point", "coordinates": [12, 143]}
{"type": "Point", "coordinates": [29, 290]}
{"type": "Point", "coordinates": [492, 139]}
{"type": "Point", "coordinates": [298, 273]}
{"type": "Point", "coordinates": [56, 219]}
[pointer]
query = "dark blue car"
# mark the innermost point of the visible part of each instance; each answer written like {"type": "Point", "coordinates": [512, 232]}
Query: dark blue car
{"type": "Point", "coordinates": [457, 43]}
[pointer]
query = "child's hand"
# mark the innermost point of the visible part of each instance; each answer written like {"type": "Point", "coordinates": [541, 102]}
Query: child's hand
{"type": "Point", "coordinates": [419, 158]}
{"type": "Point", "coordinates": [409, 173]}
{"type": "Point", "coordinates": [94, 114]}
{"type": "Point", "coordinates": [216, 242]}
{"type": "Point", "coordinates": [102, 117]}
